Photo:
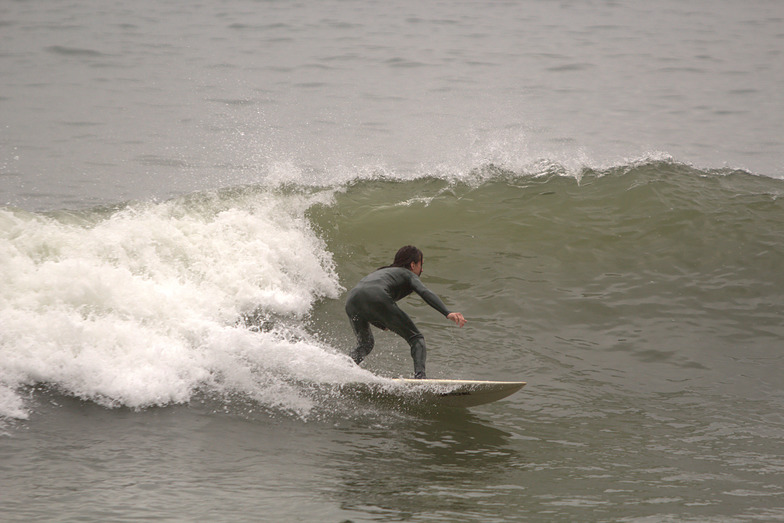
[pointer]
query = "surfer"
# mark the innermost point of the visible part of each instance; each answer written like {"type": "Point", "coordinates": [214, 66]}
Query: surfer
{"type": "Point", "coordinates": [372, 302]}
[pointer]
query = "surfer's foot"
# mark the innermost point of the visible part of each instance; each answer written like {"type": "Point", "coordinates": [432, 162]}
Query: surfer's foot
{"type": "Point", "coordinates": [420, 375]}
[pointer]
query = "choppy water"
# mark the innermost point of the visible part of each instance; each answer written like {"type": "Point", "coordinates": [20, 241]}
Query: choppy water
{"type": "Point", "coordinates": [189, 189]}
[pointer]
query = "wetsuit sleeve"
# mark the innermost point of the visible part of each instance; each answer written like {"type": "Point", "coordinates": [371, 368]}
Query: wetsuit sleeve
{"type": "Point", "coordinates": [428, 295]}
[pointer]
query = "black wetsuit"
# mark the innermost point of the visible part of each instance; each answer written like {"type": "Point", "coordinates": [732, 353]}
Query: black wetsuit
{"type": "Point", "coordinates": [372, 301]}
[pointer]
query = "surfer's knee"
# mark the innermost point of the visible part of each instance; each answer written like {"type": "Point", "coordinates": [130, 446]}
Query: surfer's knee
{"type": "Point", "coordinates": [415, 340]}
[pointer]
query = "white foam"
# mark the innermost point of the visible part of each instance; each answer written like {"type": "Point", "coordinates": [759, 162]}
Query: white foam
{"type": "Point", "coordinates": [140, 307]}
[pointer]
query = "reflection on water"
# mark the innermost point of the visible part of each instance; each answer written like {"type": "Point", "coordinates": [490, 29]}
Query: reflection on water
{"type": "Point", "coordinates": [424, 465]}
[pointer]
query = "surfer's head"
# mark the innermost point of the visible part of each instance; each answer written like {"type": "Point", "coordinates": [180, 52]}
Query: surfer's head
{"type": "Point", "coordinates": [409, 257]}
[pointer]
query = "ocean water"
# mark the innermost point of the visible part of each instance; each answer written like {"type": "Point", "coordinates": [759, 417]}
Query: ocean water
{"type": "Point", "coordinates": [188, 189]}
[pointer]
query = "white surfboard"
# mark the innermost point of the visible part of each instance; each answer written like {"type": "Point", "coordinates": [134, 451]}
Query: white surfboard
{"type": "Point", "coordinates": [451, 393]}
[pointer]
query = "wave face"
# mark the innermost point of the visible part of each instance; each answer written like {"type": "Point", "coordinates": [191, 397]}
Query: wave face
{"type": "Point", "coordinates": [645, 268]}
{"type": "Point", "coordinates": [650, 275]}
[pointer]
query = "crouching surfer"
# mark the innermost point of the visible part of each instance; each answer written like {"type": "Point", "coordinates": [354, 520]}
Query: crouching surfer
{"type": "Point", "coordinates": [372, 302]}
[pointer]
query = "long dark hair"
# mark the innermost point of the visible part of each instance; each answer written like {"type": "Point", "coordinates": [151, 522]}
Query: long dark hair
{"type": "Point", "coordinates": [405, 256]}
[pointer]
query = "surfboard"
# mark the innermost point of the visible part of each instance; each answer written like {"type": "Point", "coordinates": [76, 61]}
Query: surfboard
{"type": "Point", "coordinates": [440, 392]}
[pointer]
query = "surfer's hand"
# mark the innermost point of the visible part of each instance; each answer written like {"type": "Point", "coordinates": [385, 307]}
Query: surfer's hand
{"type": "Point", "coordinates": [457, 318]}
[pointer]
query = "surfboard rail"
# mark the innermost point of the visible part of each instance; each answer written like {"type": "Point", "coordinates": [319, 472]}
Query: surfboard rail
{"type": "Point", "coordinates": [439, 392]}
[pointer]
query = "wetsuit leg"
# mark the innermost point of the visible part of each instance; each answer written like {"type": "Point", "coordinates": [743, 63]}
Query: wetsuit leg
{"type": "Point", "coordinates": [419, 353]}
{"type": "Point", "coordinates": [365, 339]}
{"type": "Point", "coordinates": [356, 306]}
{"type": "Point", "coordinates": [365, 308]}
{"type": "Point", "coordinates": [401, 324]}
